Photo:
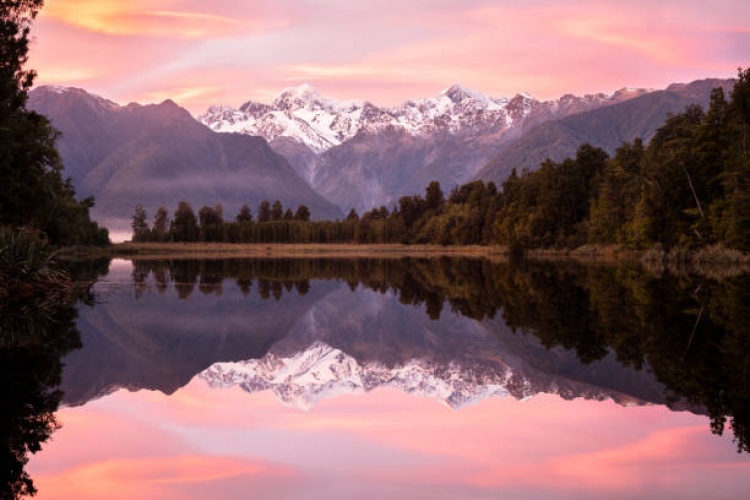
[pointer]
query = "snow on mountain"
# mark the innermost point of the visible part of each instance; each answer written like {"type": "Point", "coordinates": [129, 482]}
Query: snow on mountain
{"type": "Point", "coordinates": [302, 114]}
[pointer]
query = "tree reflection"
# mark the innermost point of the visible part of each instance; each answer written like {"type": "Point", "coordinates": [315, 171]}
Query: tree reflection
{"type": "Point", "coordinates": [36, 331]}
{"type": "Point", "coordinates": [690, 331]}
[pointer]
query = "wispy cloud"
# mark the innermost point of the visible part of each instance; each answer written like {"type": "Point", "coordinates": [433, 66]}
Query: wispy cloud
{"type": "Point", "coordinates": [154, 18]}
{"type": "Point", "coordinates": [385, 50]}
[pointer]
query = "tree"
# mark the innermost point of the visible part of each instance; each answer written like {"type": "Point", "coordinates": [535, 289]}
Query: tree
{"type": "Point", "coordinates": [33, 192]}
{"type": "Point", "coordinates": [619, 188]}
{"type": "Point", "coordinates": [245, 214]}
{"type": "Point", "coordinates": [264, 211]}
{"type": "Point", "coordinates": [139, 224]}
{"type": "Point", "coordinates": [15, 25]}
{"type": "Point", "coordinates": [737, 175]}
{"type": "Point", "coordinates": [211, 222]}
{"type": "Point", "coordinates": [670, 201]}
{"type": "Point", "coordinates": [184, 224]}
{"type": "Point", "coordinates": [302, 214]}
{"type": "Point", "coordinates": [434, 199]}
{"type": "Point", "coordinates": [277, 211]}
{"type": "Point", "coordinates": [161, 225]}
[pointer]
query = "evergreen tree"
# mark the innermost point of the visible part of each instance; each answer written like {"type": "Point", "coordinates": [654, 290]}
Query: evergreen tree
{"type": "Point", "coordinates": [245, 214]}
{"type": "Point", "coordinates": [619, 188]}
{"type": "Point", "coordinates": [211, 223]}
{"type": "Point", "coordinates": [277, 211]}
{"type": "Point", "coordinates": [161, 225]}
{"type": "Point", "coordinates": [434, 199]}
{"type": "Point", "coordinates": [32, 190]}
{"type": "Point", "coordinates": [264, 211]}
{"type": "Point", "coordinates": [139, 224]}
{"type": "Point", "coordinates": [738, 172]}
{"type": "Point", "coordinates": [184, 225]}
{"type": "Point", "coordinates": [302, 214]}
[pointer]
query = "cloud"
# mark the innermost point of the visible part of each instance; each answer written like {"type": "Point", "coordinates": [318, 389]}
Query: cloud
{"type": "Point", "coordinates": [151, 18]}
{"type": "Point", "coordinates": [384, 51]}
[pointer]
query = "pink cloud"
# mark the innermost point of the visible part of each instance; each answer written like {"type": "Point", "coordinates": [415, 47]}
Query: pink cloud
{"type": "Point", "coordinates": [384, 51]}
{"type": "Point", "coordinates": [158, 18]}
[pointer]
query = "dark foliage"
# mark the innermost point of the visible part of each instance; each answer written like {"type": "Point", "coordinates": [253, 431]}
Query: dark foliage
{"type": "Point", "coordinates": [33, 193]}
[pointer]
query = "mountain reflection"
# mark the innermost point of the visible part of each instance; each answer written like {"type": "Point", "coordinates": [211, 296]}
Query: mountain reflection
{"type": "Point", "coordinates": [455, 329]}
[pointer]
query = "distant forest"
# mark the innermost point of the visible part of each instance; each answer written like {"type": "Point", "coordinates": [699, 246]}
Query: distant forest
{"type": "Point", "coordinates": [689, 187]}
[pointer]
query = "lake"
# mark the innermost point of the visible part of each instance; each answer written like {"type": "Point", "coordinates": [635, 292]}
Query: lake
{"type": "Point", "coordinates": [399, 378]}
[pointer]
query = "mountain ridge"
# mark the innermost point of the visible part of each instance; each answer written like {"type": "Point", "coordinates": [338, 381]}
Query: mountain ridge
{"type": "Point", "coordinates": [362, 156]}
{"type": "Point", "coordinates": [320, 123]}
{"type": "Point", "coordinates": [158, 155]}
{"type": "Point", "coordinates": [606, 127]}
{"type": "Point", "coordinates": [346, 154]}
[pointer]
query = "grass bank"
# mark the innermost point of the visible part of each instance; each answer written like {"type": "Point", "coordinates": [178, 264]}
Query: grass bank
{"type": "Point", "coordinates": [712, 261]}
{"type": "Point", "coordinates": [313, 250]}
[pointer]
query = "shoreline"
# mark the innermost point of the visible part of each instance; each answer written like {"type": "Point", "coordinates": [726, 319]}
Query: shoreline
{"type": "Point", "coordinates": [292, 250]}
{"type": "Point", "coordinates": [712, 259]}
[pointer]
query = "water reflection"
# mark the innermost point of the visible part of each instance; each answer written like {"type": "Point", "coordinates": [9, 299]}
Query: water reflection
{"type": "Point", "coordinates": [37, 328]}
{"type": "Point", "coordinates": [456, 329]}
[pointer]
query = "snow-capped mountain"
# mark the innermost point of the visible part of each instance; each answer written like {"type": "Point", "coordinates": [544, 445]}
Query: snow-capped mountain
{"type": "Point", "coordinates": [359, 155]}
{"type": "Point", "coordinates": [302, 114]}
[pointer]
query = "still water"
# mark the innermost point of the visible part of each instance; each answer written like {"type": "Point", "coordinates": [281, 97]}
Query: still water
{"type": "Point", "coordinates": [402, 379]}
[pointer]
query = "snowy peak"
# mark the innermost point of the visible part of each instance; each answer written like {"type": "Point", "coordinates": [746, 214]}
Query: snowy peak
{"type": "Point", "coordinates": [464, 96]}
{"type": "Point", "coordinates": [301, 97]}
{"type": "Point", "coordinates": [303, 115]}
{"type": "Point", "coordinates": [457, 93]}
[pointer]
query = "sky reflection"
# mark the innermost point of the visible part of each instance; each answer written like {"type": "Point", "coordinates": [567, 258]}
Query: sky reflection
{"type": "Point", "coordinates": [203, 442]}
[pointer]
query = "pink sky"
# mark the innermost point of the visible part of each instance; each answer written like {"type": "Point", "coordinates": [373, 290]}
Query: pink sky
{"type": "Point", "coordinates": [200, 53]}
{"type": "Point", "coordinates": [201, 443]}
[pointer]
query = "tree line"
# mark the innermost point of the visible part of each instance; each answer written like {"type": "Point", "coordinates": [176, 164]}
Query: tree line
{"type": "Point", "coordinates": [274, 223]}
{"type": "Point", "coordinates": [689, 187]}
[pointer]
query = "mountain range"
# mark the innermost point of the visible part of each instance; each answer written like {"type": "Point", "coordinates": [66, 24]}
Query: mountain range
{"type": "Point", "coordinates": [332, 156]}
{"type": "Point", "coordinates": [361, 156]}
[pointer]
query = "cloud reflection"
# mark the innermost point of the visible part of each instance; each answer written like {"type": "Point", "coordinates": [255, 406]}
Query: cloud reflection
{"type": "Point", "coordinates": [147, 445]}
